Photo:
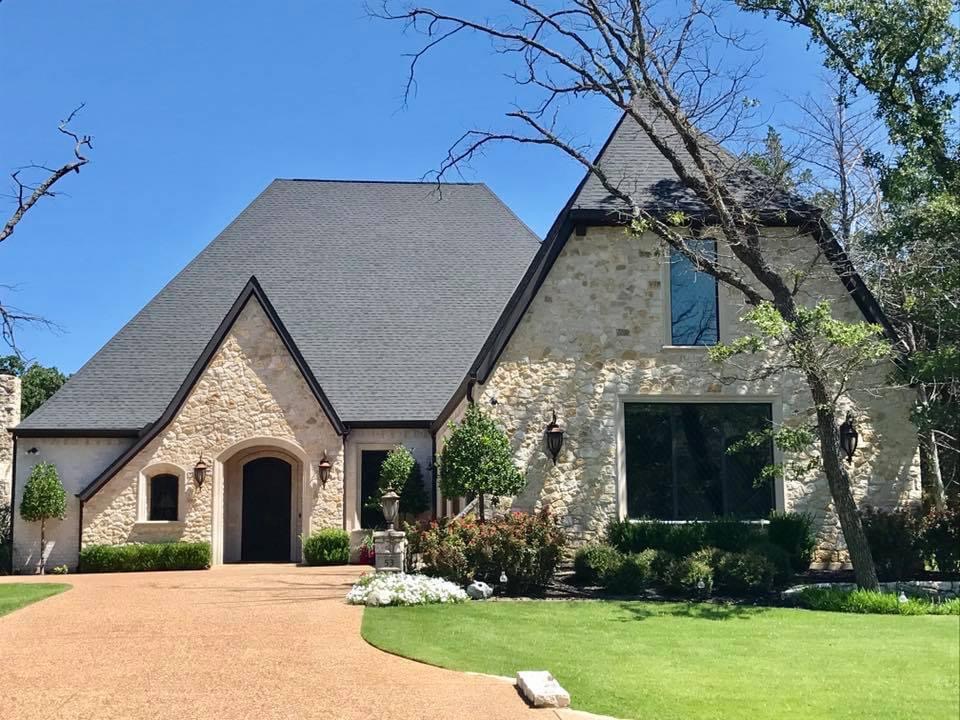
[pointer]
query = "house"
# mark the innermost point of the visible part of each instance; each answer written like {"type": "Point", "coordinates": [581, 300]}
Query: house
{"type": "Point", "coordinates": [333, 320]}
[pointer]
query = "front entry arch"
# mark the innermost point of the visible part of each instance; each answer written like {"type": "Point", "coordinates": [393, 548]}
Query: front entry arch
{"type": "Point", "coordinates": [258, 503]}
{"type": "Point", "coordinates": [265, 512]}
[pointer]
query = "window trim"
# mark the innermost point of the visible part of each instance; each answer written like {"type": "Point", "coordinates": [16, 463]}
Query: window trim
{"type": "Point", "coordinates": [776, 413]}
{"type": "Point", "coordinates": [143, 493]}
{"type": "Point", "coordinates": [665, 283]}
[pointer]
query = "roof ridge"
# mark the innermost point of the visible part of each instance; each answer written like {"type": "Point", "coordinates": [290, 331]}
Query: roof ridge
{"type": "Point", "coordinates": [376, 182]}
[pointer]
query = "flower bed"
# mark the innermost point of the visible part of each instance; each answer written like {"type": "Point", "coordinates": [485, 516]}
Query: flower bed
{"type": "Point", "coordinates": [377, 589]}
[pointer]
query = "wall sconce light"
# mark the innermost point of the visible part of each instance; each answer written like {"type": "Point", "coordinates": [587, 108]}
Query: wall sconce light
{"type": "Point", "coordinates": [200, 472]}
{"type": "Point", "coordinates": [554, 437]}
{"type": "Point", "coordinates": [849, 437]}
{"type": "Point", "coordinates": [323, 469]}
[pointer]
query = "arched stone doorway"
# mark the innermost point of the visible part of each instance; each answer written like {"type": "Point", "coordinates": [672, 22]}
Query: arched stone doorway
{"type": "Point", "coordinates": [262, 505]}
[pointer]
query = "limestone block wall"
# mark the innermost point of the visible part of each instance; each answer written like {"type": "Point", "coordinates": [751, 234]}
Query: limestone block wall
{"type": "Point", "coordinates": [597, 334]}
{"type": "Point", "coordinates": [251, 394]}
{"type": "Point", "coordinates": [9, 417]}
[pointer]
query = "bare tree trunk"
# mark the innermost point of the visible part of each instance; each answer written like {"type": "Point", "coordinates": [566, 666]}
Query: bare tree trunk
{"type": "Point", "coordinates": [43, 546]}
{"type": "Point", "coordinates": [838, 480]}
{"type": "Point", "coordinates": [931, 478]}
{"type": "Point", "coordinates": [481, 506]}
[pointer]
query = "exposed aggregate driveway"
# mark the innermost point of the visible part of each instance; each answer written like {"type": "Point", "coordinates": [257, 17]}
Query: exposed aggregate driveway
{"type": "Point", "coordinates": [250, 642]}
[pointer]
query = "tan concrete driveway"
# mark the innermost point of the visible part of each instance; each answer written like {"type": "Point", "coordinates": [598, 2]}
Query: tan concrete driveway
{"type": "Point", "coordinates": [250, 642]}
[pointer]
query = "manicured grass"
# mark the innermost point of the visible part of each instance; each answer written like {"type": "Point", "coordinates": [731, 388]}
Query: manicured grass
{"type": "Point", "coordinates": [660, 661]}
{"type": "Point", "coordinates": [17, 595]}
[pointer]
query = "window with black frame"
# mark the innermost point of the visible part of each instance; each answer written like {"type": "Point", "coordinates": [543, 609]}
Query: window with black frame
{"type": "Point", "coordinates": [686, 461]}
{"type": "Point", "coordinates": [694, 306]}
{"type": "Point", "coordinates": [164, 497]}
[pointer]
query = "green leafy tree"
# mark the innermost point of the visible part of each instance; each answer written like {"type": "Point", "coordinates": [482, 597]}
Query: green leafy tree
{"type": "Point", "coordinates": [476, 460]}
{"type": "Point", "coordinates": [43, 499]}
{"type": "Point", "coordinates": [401, 473]}
{"type": "Point", "coordinates": [905, 55]}
{"type": "Point", "coordinates": [37, 382]}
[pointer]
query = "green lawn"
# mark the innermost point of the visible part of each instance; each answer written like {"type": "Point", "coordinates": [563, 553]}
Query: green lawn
{"type": "Point", "coordinates": [657, 661]}
{"type": "Point", "coordinates": [17, 595]}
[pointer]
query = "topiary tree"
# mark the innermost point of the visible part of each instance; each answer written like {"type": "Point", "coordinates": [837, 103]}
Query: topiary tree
{"type": "Point", "coordinates": [43, 499]}
{"type": "Point", "coordinates": [401, 473]}
{"type": "Point", "coordinates": [476, 460]}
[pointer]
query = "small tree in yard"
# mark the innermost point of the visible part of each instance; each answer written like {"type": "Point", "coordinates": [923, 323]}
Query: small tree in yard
{"type": "Point", "coordinates": [401, 474]}
{"type": "Point", "coordinates": [43, 499]}
{"type": "Point", "coordinates": [476, 460]}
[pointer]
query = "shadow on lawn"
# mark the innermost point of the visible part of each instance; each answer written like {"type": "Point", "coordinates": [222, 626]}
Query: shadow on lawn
{"type": "Point", "coordinates": [695, 610]}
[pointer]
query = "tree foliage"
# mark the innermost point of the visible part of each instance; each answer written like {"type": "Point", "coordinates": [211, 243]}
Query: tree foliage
{"type": "Point", "coordinates": [43, 499]}
{"type": "Point", "coordinates": [401, 473]}
{"type": "Point", "coordinates": [477, 460]}
{"type": "Point", "coordinates": [37, 382]}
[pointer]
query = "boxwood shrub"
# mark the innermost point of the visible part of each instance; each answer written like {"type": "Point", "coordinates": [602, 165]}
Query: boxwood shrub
{"type": "Point", "coordinates": [592, 563]}
{"type": "Point", "coordinates": [138, 557]}
{"type": "Point", "coordinates": [330, 546]}
{"type": "Point", "coordinates": [794, 533]}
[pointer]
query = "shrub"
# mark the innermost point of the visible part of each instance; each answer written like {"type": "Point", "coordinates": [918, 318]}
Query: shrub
{"type": "Point", "coordinates": [779, 558]}
{"type": "Point", "coordinates": [731, 535]}
{"type": "Point", "coordinates": [869, 601]}
{"type": "Point", "coordinates": [794, 533]}
{"type": "Point", "coordinates": [893, 540]}
{"type": "Point", "coordinates": [402, 589]}
{"type": "Point", "coordinates": [592, 563]}
{"type": "Point", "coordinates": [526, 547]}
{"type": "Point", "coordinates": [748, 573]}
{"type": "Point", "coordinates": [685, 577]}
{"type": "Point", "coordinates": [634, 573]}
{"type": "Point", "coordinates": [43, 499]}
{"type": "Point", "coordinates": [939, 539]}
{"type": "Point", "coordinates": [630, 536]}
{"type": "Point", "coordinates": [138, 557]}
{"type": "Point", "coordinates": [327, 547]}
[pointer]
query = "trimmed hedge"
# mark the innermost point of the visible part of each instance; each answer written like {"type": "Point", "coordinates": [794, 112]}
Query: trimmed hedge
{"type": "Point", "coordinates": [141, 557]}
{"type": "Point", "coordinates": [327, 547]}
{"type": "Point", "coordinates": [794, 533]}
{"type": "Point", "coordinates": [592, 563]}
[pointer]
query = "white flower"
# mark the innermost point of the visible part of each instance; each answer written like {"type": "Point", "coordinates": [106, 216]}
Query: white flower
{"type": "Point", "coordinates": [403, 589]}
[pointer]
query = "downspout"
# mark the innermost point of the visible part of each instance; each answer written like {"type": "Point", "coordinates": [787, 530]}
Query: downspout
{"type": "Point", "coordinates": [13, 496]}
{"type": "Point", "coordinates": [80, 533]}
{"type": "Point", "coordinates": [434, 505]}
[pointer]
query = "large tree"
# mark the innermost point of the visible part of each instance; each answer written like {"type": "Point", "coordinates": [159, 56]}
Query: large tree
{"type": "Point", "coordinates": [905, 56]}
{"type": "Point", "coordinates": [656, 62]}
{"type": "Point", "coordinates": [37, 382]}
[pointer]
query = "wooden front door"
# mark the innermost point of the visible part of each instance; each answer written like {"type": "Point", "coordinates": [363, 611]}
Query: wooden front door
{"type": "Point", "coordinates": [265, 518]}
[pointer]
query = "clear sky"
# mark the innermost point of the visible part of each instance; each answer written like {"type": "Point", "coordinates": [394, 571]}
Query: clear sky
{"type": "Point", "coordinates": [196, 106]}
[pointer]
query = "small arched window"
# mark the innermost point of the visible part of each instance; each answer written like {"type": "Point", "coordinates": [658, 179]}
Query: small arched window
{"type": "Point", "coordinates": [164, 497]}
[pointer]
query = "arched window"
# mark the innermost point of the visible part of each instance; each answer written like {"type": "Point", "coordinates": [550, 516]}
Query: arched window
{"type": "Point", "coordinates": [164, 497]}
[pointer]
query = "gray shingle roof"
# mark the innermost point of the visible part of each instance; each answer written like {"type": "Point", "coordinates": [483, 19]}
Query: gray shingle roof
{"type": "Point", "coordinates": [388, 290]}
{"type": "Point", "coordinates": [633, 164]}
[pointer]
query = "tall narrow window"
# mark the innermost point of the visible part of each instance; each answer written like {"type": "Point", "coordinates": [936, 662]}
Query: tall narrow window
{"type": "Point", "coordinates": [687, 461]}
{"type": "Point", "coordinates": [164, 497]}
{"type": "Point", "coordinates": [371, 516]}
{"type": "Point", "coordinates": [694, 317]}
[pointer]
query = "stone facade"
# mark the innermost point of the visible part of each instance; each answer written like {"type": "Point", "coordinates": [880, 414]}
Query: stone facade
{"type": "Point", "coordinates": [597, 334]}
{"type": "Point", "coordinates": [251, 395]}
{"type": "Point", "coordinates": [9, 416]}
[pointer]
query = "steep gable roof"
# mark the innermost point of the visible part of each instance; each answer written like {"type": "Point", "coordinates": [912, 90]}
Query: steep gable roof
{"type": "Point", "coordinates": [387, 289]}
{"type": "Point", "coordinates": [630, 160]}
{"type": "Point", "coordinates": [251, 291]}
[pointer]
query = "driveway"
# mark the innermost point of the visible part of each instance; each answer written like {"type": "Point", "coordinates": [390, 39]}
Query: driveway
{"type": "Point", "coordinates": [251, 642]}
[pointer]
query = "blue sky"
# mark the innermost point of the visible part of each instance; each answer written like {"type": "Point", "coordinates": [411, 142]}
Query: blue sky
{"type": "Point", "coordinates": [196, 106]}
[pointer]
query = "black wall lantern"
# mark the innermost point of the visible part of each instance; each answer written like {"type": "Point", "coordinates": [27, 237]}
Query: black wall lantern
{"type": "Point", "coordinates": [323, 469]}
{"type": "Point", "coordinates": [200, 472]}
{"type": "Point", "coordinates": [554, 437]}
{"type": "Point", "coordinates": [849, 437]}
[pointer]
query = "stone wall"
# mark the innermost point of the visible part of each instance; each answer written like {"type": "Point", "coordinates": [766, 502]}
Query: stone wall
{"type": "Point", "coordinates": [9, 417]}
{"type": "Point", "coordinates": [597, 333]}
{"type": "Point", "coordinates": [251, 395]}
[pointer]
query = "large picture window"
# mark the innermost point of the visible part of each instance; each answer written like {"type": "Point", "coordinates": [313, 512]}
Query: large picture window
{"type": "Point", "coordinates": [371, 516]}
{"type": "Point", "coordinates": [680, 464]}
{"type": "Point", "coordinates": [694, 315]}
{"type": "Point", "coordinates": [164, 497]}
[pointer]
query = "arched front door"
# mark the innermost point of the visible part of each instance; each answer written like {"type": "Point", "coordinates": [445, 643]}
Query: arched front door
{"type": "Point", "coordinates": [265, 518]}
